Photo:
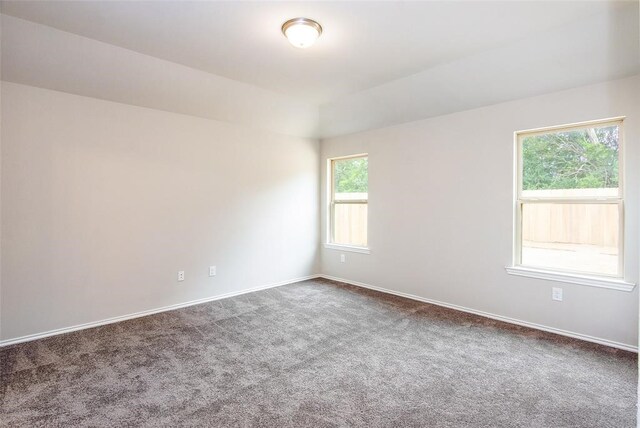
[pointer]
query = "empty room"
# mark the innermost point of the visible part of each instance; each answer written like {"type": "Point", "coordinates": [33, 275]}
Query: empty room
{"type": "Point", "coordinates": [319, 213]}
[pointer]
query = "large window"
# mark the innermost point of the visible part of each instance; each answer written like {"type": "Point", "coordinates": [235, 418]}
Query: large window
{"type": "Point", "coordinates": [569, 203]}
{"type": "Point", "coordinates": [349, 178]}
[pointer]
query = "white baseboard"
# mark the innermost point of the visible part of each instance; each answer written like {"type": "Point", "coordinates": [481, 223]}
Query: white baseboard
{"type": "Point", "coordinates": [55, 332]}
{"type": "Point", "coordinates": [561, 332]}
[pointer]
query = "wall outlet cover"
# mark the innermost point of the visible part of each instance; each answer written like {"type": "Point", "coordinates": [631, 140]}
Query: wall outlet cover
{"type": "Point", "coordinates": [556, 293]}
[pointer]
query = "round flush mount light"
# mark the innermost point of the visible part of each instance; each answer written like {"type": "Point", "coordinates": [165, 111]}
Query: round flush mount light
{"type": "Point", "coordinates": [301, 32]}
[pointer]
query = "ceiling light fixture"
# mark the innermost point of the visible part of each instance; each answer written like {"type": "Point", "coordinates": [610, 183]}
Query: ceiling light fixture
{"type": "Point", "coordinates": [301, 32]}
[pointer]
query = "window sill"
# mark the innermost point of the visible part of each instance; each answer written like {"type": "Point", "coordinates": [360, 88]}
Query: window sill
{"type": "Point", "coordinates": [592, 281]}
{"type": "Point", "coordinates": [363, 250]}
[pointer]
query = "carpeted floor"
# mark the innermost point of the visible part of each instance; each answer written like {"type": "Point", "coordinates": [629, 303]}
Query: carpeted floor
{"type": "Point", "coordinates": [316, 353]}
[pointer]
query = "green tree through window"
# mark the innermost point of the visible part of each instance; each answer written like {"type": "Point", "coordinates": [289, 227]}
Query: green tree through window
{"type": "Point", "coordinates": [351, 175]}
{"type": "Point", "coordinates": [578, 159]}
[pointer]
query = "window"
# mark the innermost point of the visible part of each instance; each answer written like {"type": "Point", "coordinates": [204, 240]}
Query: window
{"type": "Point", "coordinates": [569, 203]}
{"type": "Point", "coordinates": [349, 198]}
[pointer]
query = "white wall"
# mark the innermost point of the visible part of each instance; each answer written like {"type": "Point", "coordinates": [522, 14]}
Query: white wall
{"type": "Point", "coordinates": [102, 204]}
{"type": "Point", "coordinates": [440, 211]}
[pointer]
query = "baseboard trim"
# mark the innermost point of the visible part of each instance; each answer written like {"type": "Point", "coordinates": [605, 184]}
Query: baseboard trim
{"type": "Point", "coordinates": [515, 321]}
{"type": "Point", "coordinates": [112, 320]}
{"type": "Point", "coordinates": [509, 320]}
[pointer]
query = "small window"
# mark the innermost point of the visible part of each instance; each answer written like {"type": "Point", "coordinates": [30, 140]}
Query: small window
{"type": "Point", "coordinates": [569, 204]}
{"type": "Point", "coordinates": [349, 201]}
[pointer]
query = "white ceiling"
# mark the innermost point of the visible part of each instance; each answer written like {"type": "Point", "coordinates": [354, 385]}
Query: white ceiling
{"type": "Point", "coordinates": [44, 57]}
{"type": "Point", "coordinates": [365, 44]}
{"type": "Point", "coordinates": [376, 64]}
{"type": "Point", "coordinates": [594, 49]}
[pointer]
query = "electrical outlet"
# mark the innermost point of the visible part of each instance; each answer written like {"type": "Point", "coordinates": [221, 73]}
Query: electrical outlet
{"type": "Point", "coordinates": [342, 258]}
{"type": "Point", "coordinates": [212, 271]}
{"type": "Point", "coordinates": [180, 275]}
{"type": "Point", "coordinates": [556, 293]}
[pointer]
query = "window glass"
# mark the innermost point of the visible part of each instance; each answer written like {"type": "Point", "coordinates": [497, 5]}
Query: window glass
{"type": "Point", "coordinates": [569, 204]}
{"type": "Point", "coordinates": [585, 159]}
{"type": "Point", "coordinates": [350, 224]}
{"type": "Point", "coordinates": [351, 176]}
{"type": "Point", "coordinates": [579, 237]}
{"type": "Point", "coordinates": [349, 203]}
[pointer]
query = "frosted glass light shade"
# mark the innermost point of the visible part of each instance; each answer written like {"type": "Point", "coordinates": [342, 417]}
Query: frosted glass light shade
{"type": "Point", "coordinates": [301, 32]}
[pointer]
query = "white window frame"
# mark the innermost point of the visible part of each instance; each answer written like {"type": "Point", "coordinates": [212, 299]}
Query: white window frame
{"type": "Point", "coordinates": [329, 243]}
{"type": "Point", "coordinates": [566, 275]}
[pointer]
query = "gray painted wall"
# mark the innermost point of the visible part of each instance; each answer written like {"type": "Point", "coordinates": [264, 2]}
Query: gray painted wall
{"type": "Point", "coordinates": [440, 211]}
{"type": "Point", "coordinates": [104, 202]}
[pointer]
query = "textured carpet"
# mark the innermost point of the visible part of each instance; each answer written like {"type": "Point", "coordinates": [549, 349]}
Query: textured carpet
{"type": "Point", "coordinates": [316, 353]}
